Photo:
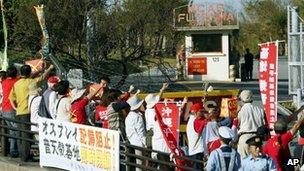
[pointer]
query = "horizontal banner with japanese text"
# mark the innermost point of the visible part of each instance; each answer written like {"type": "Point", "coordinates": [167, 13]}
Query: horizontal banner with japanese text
{"type": "Point", "coordinates": [77, 147]}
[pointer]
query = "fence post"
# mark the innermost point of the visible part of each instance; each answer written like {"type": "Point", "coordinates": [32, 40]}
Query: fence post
{"type": "Point", "coordinates": [127, 150]}
{"type": "Point", "coordinates": [4, 140]}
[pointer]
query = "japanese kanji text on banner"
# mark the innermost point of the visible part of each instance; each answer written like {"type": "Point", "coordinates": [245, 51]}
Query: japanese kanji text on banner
{"type": "Point", "coordinates": [77, 147]}
{"type": "Point", "coordinates": [268, 80]}
{"type": "Point", "coordinates": [168, 119]}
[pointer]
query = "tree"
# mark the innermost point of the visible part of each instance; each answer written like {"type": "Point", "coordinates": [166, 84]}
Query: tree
{"type": "Point", "coordinates": [259, 25]}
{"type": "Point", "coordinates": [98, 36]}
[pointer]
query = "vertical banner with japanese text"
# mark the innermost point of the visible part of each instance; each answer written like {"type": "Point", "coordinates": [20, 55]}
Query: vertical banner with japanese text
{"type": "Point", "coordinates": [77, 147]}
{"type": "Point", "coordinates": [168, 119]}
{"type": "Point", "coordinates": [268, 77]}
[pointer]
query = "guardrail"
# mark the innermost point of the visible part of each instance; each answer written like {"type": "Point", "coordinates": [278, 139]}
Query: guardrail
{"type": "Point", "coordinates": [129, 159]}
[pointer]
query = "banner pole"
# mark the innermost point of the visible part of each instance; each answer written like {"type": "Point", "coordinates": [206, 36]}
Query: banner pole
{"type": "Point", "coordinates": [277, 41]}
{"type": "Point", "coordinates": [277, 74]}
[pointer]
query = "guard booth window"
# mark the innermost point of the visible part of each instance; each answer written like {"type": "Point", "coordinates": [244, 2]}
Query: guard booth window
{"type": "Point", "coordinates": [207, 43]}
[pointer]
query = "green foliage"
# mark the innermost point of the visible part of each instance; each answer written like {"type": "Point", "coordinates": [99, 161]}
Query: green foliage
{"type": "Point", "coordinates": [123, 32]}
{"type": "Point", "coordinates": [300, 5]}
{"type": "Point", "coordinates": [263, 21]}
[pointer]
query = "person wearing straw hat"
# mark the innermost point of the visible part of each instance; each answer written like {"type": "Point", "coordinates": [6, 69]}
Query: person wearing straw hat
{"type": "Point", "coordinates": [34, 101]}
{"type": "Point", "coordinates": [225, 157]}
{"type": "Point", "coordinates": [135, 126]}
{"type": "Point", "coordinates": [151, 100]}
{"type": "Point", "coordinates": [78, 104]}
{"type": "Point", "coordinates": [256, 160]}
{"type": "Point", "coordinates": [250, 118]}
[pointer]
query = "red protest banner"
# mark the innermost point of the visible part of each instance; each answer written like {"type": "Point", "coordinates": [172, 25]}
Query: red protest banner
{"type": "Point", "coordinates": [268, 80]}
{"type": "Point", "coordinates": [168, 119]}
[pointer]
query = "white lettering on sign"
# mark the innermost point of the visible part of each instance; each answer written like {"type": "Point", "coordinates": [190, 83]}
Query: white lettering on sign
{"type": "Point", "coordinates": [263, 66]}
{"type": "Point", "coordinates": [264, 98]}
{"type": "Point", "coordinates": [263, 85]}
{"type": "Point", "coordinates": [264, 53]}
{"type": "Point", "coordinates": [166, 111]}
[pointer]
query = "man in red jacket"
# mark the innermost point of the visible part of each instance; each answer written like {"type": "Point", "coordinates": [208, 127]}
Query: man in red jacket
{"type": "Point", "coordinates": [79, 101]}
{"type": "Point", "coordinates": [277, 146]}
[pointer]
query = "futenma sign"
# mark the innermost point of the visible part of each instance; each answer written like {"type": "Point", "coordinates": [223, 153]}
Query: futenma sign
{"type": "Point", "coordinates": [205, 17]}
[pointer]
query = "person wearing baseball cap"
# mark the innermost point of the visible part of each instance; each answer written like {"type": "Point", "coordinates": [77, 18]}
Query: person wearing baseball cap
{"type": "Point", "coordinates": [256, 160]}
{"type": "Point", "coordinates": [51, 81]}
{"type": "Point", "coordinates": [225, 157]}
{"type": "Point", "coordinates": [195, 127]}
{"type": "Point", "coordinates": [250, 118]}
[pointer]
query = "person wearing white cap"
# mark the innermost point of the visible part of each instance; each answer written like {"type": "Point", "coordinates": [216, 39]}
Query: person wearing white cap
{"type": "Point", "coordinates": [135, 127]}
{"type": "Point", "coordinates": [250, 118]}
{"type": "Point", "coordinates": [225, 157]}
{"type": "Point", "coordinates": [151, 100]}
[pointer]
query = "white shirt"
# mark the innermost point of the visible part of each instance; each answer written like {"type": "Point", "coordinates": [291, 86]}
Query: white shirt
{"type": "Point", "coordinates": [150, 118]}
{"type": "Point", "coordinates": [195, 140]}
{"type": "Point", "coordinates": [52, 100]}
{"type": "Point", "coordinates": [210, 133]}
{"type": "Point", "coordinates": [135, 129]}
{"type": "Point", "coordinates": [62, 113]}
{"type": "Point", "coordinates": [158, 141]}
{"type": "Point", "coordinates": [250, 118]}
{"type": "Point", "coordinates": [33, 104]}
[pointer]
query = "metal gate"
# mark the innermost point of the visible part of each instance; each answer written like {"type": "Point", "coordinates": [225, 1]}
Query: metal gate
{"type": "Point", "coordinates": [295, 51]}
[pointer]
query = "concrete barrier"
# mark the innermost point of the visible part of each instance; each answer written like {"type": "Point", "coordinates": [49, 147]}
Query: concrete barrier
{"type": "Point", "coordinates": [14, 164]}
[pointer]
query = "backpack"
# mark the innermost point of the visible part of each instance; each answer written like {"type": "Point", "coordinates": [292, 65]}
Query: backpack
{"type": "Point", "coordinates": [42, 110]}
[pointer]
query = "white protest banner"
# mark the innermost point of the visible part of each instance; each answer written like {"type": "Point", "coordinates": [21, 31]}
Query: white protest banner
{"type": "Point", "coordinates": [77, 147]}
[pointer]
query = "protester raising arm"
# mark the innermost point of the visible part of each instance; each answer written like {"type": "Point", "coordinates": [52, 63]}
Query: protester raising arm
{"type": "Point", "coordinates": [92, 93]}
{"type": "Point", "coordinates": [161, 91]}
{"type": "Point", "coordinates": [126, 95]}
{"type": "Point", "coordinates": [45, 73]}
{"type": "Point", "coordinates": [296, 126]}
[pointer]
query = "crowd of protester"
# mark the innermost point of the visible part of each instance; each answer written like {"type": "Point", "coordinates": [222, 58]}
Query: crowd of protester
{"type": "Point", "coordinates": [227, 143]}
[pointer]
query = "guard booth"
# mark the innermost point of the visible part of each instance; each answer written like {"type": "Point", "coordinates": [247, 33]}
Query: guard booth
{"type": "Point", "coordinates": [208, 28]}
